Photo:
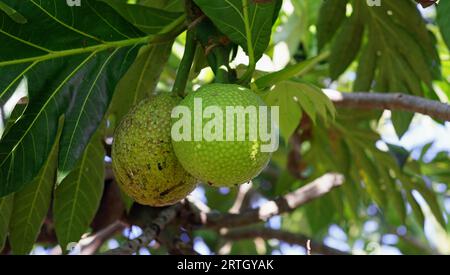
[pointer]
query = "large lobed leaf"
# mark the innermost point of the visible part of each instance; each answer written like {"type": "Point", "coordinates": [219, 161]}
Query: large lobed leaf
{"type": "Point", "coordinates": [396, 51]}
{"type": "Point", "coordinates": [346, 44]}
{"type": "Point", "coordinates": [373, 175]}
{"type": "Point", "coordinates": [327, 25]}
{"type": "Point", "coordinates": [74, 81]}
{"type": "Point", "coordinates": [293, 98]}
{"type": "Point", "coordinates": [73, 73]}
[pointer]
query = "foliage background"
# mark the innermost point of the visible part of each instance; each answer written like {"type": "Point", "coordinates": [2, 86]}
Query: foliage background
{"type": "Point", "coordinates": [62, 96]}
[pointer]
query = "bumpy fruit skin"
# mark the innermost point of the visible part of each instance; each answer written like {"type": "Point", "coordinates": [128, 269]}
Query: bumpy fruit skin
{"type": "Point", "coordinates": [221, 163]}
{"type": "Point", "coordinates": [142, 155]}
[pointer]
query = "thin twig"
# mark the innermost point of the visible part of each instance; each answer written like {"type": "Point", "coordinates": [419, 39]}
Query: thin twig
{"type": "Point", "coordinates": [150, 232]}
{"type": "Point", "coordinates": [241, 198]}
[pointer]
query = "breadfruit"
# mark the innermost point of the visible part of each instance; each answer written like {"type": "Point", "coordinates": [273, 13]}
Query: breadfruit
{"type": "Point", "coordinates": [221, 163]}
{"type": "Point", "coordinates": [143, 159]}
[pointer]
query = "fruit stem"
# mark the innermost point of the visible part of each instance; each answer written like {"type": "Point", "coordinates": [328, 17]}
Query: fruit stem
{"type": "Point", "coordinates": [222, 71]}
{"type": "Point", "coordinates": [247, 77]}
{"type": "Point", "coordinates": [184, 69]}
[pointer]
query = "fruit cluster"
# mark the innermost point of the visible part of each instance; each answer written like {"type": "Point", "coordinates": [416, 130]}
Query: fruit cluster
{"type": "Point", "coordinates": [157, 170]}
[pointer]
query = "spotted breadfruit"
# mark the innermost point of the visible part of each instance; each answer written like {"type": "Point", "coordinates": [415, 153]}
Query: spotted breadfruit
{"type": "Point", "coordinates": [142, 155]}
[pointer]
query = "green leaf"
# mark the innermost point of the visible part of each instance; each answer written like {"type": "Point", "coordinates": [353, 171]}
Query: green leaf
{"type": "Point", "coordinates": [400, 154]}
{"type": "Point", "coordinates": [31, 206]}
{"type": "Point", "coordinates": [141, 78]}
{"type": "Point", "coordinates": [410, 60]}
{"type": "Point", "coordinates": [220, 201]}
{"type": "Point", "coordinates": [331, 16]}
{"type": "Point", "coordinates": [77, 198]}
{"type": "Point", "coordinates": [293, 97]}
{"type": "Point", "coordinates": [168, 5]}
{"type": "Point", "coordinates": [9, 117]}
{"type": "Point", "coordinates": [431, 199]}
{"type": "Point", "coordinates": [210, 237]}
{"type": "Point", "coordinates": [145, 18]}
{"type": "Point", "coordinates": [346, 45]}
{"type": "Point", "coordinates": [284, 183]}
{"type": "Point", "coordinates": [297, 70]}
{"type": "Point", "coordinates": [322, 104]}
{"type": "Point", "coordinates": [404, 64]}
{"type": "Point", "coordinates": [73, 75]}
{"type": "Point", "coordinates": [321, 152]}
{"type": "Point", "coordinates": [350, 190]}
{"type": "Point", "coordinates": [127, 201]}
{"type": "Point", "coordinates": [393, 194]}
{"type": "Point", "coordinates": [437, 170]}
{"type": "Point", "coordinates": [247, 23]}
{"type": "Point", "coordinates": [367, 65]}
{"type": "Point", "coordinates": [295, 30]}
{"type": "Point", "coordinates": [370, 175]}
{"type": "Point", "coordinates": [406, 80]}
{"type": "Point", "coordinates": [443, 20]}
{"type": "Point", "coordinates": [89, 108]}
{"type": "Point", "coordinates": [243, 247]}
{"type": "Point", "coordinates": [12, 13]}
{"type": "Point", "coordinates": [408, 48]}
{"type": "Point", "coordinates": [286, 97]}
{"type": "Point", "coordinates": [6, 206]}
{"type": "Point", "coordinates": [401, 121]}
{"type": "Point", "coordinates": [319, 215]}
{"type": "Point", "coordinates": [424, 150]}
{"type": "Point", "coordinates": [416, 209]}
{"type": "Point", "coordinates": [296, 222]}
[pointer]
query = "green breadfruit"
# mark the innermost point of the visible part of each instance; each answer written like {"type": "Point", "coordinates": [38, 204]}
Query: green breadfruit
{"type": "Point", "coordinates": [142, 155]}
{"type": "Point", "coordinates": [220, 162]}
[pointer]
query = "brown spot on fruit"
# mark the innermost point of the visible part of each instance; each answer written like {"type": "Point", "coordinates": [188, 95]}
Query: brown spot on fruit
{"type": "Point", "coordinates": [142, 141]}
{"type": "Point", "coordinates": [165, 192]}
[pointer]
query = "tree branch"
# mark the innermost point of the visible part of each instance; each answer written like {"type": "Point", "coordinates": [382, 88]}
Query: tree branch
{"type": "Point", "coordinates": [243, 198]}
{"type": "Point", "coordinates": [91, 244]}
{"type": "Point", "coordinates": [267, 234]}
{"type": "Point", "coordinates": [287, 203]}
{"type": "Point", "coordinates": [392, 101]}
{"type": "Point", "coordinates": [150, 232]}
{"type": "Point", "coordinates": [176, 246]}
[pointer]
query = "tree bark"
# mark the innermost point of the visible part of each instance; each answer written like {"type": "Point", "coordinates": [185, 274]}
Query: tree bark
{"type": "Point", "coordinates": [150, 232]}
{"type": "Point", "coordinates": [287, 203]}
{"type": "Point", "coordinates": [390, 101]}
